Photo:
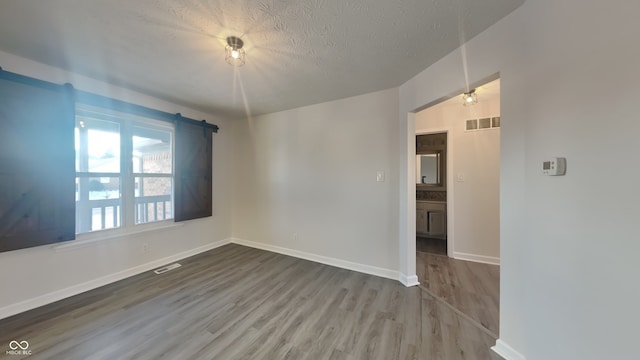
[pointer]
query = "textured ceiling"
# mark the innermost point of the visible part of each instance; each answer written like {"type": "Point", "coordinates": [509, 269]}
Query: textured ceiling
{"type": "Point", "coordinates": [298, 52]}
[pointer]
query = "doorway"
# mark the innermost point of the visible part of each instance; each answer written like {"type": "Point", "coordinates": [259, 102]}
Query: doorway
{"type": "Point", "coordinates": [431, 193]}
{"type": "Point", "coordinates": [471, 196]}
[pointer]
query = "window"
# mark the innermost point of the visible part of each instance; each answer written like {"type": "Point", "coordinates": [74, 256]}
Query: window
{"type": "Point", "coordinates": [124, 169]}
{"type": "Point", "coordinates": [117, 158]}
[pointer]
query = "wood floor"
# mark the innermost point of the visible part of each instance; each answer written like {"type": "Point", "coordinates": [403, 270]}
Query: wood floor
{"type": "Point", "coordinates": [236, 302]}
{"type": "Point", "coordinates": [431, 245]}
{"type": "Point", "coordinates": [470, 288]}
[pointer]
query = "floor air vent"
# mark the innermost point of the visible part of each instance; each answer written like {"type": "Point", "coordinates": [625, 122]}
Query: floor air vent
{"type": "Point", "coordinates": [166, 268]}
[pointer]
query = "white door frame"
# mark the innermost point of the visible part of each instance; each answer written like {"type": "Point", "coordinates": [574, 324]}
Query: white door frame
{"type": "Point", "coordinates": [449, 189]}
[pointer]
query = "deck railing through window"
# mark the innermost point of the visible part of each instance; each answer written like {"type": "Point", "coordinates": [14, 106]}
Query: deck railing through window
{"type": "Point", "coordinates": [104, 214]}
{"type": "Point", "coordinates": [153, 208]}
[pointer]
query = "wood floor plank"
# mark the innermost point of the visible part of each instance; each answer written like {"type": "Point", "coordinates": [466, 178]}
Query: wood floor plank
{"type": "Point", "coordinates": [236, 302]}
{"type": "Point", "coordinates": [447, 336]}
{"type": "Point", "coordinates": [470, 287]}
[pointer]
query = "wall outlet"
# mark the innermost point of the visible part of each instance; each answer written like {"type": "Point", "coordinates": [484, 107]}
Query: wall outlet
{"type": "Point", "coordinates": [295, 236]}
{"type": "Point", "coordinates": [145, 247]}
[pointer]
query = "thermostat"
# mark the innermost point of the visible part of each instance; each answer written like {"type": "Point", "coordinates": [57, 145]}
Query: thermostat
{"type": "Point", "coordinates": [554, 167]}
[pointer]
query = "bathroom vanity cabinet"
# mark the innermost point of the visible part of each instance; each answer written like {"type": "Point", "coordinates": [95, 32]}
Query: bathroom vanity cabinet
{"type": "Point", "coordinates": [431, 219]}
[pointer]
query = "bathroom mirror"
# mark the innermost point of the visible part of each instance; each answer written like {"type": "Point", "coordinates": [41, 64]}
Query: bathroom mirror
{"type": "Point", "coordinates": [428, 168]}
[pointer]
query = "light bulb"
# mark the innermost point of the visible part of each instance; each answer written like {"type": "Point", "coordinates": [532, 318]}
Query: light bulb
{"type": "Point", "coordinates": [469, 98]}
{"type": "Point", "coordinates": [233, 51]}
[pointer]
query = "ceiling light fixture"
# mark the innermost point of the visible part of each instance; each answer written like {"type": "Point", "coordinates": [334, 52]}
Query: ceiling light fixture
{"type": "Point", "coordinates": [470, 98]}
{"type": "Point", "coordinates": [234, 53]}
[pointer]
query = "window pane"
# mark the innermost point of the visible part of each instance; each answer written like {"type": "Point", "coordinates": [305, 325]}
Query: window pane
{"type": "Point", "coordinates": [98, 203]}
{"type": "Point", "coordinates": [151, 151]}
{"type": "Point", "coordinates": [97, 145]}
{"type": "Point", "coordinates": [154, 201]}
{"type": "Point", "coordinates": [103, 138]}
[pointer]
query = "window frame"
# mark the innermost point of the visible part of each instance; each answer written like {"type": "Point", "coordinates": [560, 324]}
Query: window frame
{"type": "Point", "coordinates": [127, 123]}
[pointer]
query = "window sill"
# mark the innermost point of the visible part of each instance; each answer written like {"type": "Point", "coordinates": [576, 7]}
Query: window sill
{"type": "Point", "coordinates": [90, 239]}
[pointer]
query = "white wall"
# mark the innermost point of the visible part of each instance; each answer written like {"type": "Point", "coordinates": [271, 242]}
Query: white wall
{"type": "Point", "coordinates": [569, 245]}
{"type": "Point", "coordinates": [473, 204]}
{"type": "Point", "coordinates": [312, 171]}
{"type": "Point", "coordinates": [31, 277]}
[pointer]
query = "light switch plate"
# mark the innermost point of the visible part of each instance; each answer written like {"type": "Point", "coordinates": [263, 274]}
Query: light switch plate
{"type": "Point", "coordinates": [380, 176]}
{"type": "Point", "coordinates": [460, 177]}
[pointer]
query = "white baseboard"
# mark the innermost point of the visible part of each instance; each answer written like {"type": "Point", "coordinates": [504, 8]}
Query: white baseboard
{"type": "Point", "coordinates": [477, 258]}
{"type": "Point", "coordinates": [54, 296]}
{"type": "Point", "coordinates": [367, 269]}
{"type": "Point", "coordinates": [507, 352]}
{"type": "Point", "coordinates": [409, 280]}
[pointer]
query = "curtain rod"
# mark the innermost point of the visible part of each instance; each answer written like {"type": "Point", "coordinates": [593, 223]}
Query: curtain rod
{"type": "Point", "coordinates": [103, 101]}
